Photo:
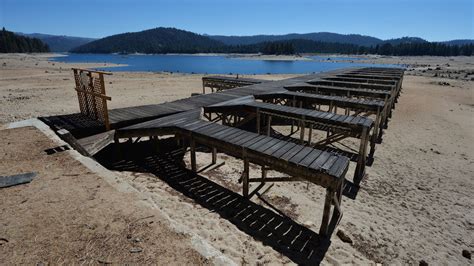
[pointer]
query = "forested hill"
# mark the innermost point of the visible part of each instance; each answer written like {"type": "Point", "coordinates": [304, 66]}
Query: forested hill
{"type": "Point", "coordinates": [327, 37]}
{"type": "Point", "coordinates": [154, 41]}
{"type": "Point", "coordinates": [59, 43]}
{"type": "Point", "coordinates": [13, 43]}
{"type": "Point", "coordinates": [171, 40]}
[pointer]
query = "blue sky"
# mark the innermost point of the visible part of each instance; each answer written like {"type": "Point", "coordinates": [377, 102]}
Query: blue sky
{"type": "Point", "coordinates": [432, 20]}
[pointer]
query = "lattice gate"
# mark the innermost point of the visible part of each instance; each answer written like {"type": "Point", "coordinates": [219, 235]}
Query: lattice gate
{"type": "Point", "coordinates": [90, 88]}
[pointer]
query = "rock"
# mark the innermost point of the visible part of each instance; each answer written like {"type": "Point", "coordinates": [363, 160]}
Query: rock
{"type": "Point", "coordinates": [344, 237]}
{"type": "Point", "coordinates": [423, 263]}
{"type": "Point", "coordinates": [466, 254]}
{"type": "Point", "coordinates": [103, 261]}
{"type": "Point", "coordinates": [308, 223]}
{"type": "Point", "coordinates": [4, 241]}
{"type": "Point", "coordinates": [136, 250]}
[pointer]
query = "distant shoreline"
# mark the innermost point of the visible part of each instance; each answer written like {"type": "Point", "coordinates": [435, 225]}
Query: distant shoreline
{"type": "Point", "coordinates": [265, 57]}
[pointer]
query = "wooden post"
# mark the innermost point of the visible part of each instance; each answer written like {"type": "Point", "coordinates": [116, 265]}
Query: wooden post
{"type": "Point", "coordinates": [378, 124]}
{"type": "Point", "coordinates": [245, 180]}
{"type": "Point", "coordinates": [258, 121]}
{"type": "Point", "coordinates": [310, 133]}
{"type": "Point", "coordinates": [360, 168]}
{"type": "Point", "coordinates": [193, 155]}
{"type": "Point", "coordinates": [323, 230]}
{"type": "Point", "coordinates": [302, 131]}
{"type": "Point", "coordinates": [269, 124]}
{"type": "Point", "coordinates": [214, 155]}
{"type": "Point", "coordinates": [104, 103]}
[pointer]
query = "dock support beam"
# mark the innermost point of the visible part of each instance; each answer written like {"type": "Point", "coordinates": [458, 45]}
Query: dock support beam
{"type": "Point", "coordinates": [360, 168]}
{"type": "Point", "coordinates": [193, 155]}
{"type": "Point", "coordinates": [245, 179]}
{"type": "Point", "coordinates": [323, 230]}
{"type": "Point", "coordinates": [269, 125]}
{"type": "Point", "coordinates": [214, 155]}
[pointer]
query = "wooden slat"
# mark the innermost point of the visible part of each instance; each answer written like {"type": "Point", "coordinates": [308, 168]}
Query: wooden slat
{"type": "Point", "coordinates": [283, 150]}
{"type": "Point", "coordinates": [289, 154]}
{"type": "Point", "coordinates": [301, 155]}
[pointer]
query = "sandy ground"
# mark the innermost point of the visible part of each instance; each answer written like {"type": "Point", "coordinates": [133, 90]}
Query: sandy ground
{"type": "Point", "coordinates": [414, 205]}
{"type": "Point", "coordinates": [70, 215]}
{"type": "Point", "coordinates": [32, 86]}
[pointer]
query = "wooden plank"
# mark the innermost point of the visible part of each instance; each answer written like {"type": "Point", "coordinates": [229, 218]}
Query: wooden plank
{"type": "Point", "coordinates": [208, 128]}
{"type": "Point", "coordinates": [222, 134]}
{"type": "Point", "coordinates": [292, 152]}
{"type": "Point", "coordinates": [301, 155]}
{"type": "Point", "coordinates": [309, 159]}
{"type": "Point", "coordinates": [252, 141]}
{"type": "Point", "coordinates": [245, 139]}
{"type": "Point", "coordinates": [267, 145]}
{"type": "Point", "coordinates": [329, 163]}
{"type": "Point", "coordinates": [13, 180]}
{"type": "Point", "coordinates": [319, 162]}
{"type": "Point", "coordinates": [279, 144]}
{"type": "Point", "coordinates": [339, 167]}
{"type": "Point", "coordinates": [283, 150]}
{"type": "Point", "coordinates": [260, 143]}
{"type": "Point", "coordinates": [238, 134]}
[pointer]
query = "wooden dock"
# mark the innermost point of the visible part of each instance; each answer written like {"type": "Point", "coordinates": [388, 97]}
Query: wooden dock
{"type": "Point", "coordinates": [302, 163]}
{"type": "Point", "coordinates": [345, 103]}
{"type": "Point", "coordinates": [337, 126]}
{"type": "Point", "coordinates": [220, 83]}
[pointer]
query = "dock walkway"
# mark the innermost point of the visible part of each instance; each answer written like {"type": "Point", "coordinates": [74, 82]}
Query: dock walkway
{"type": "Point", "coordinates": [302, 163]}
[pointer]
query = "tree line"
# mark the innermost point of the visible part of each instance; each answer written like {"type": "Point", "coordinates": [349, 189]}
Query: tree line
{"type": "Point", "coordinates": [401, 49]}
{"type": "Point", "coordinates": [13, 43]}
{"type": "Point", "coordinates": [425, 48]}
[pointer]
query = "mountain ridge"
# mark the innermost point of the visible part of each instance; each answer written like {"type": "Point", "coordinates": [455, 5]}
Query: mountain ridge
{"type": "Point", "coordinates": [356, 39]}
{"type": "Point", "coordinates": [153, 41]}
{"type": "Point", "coordinates": [59, 43]}
{"type": "Point", "coordinates": [65, 43]}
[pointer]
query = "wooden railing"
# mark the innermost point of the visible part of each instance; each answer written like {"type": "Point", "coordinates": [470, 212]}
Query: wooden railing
{"type": "Point", "coordinates": [90, 88]}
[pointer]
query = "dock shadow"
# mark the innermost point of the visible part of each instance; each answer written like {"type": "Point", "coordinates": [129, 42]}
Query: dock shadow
{"type": "Point", "coordinates": [77, 124]}
{"type": "Point", "coordinates": [298, 243]}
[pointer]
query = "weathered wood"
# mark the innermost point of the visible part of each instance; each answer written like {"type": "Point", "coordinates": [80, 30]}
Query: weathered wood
{"type": "Point", "coordinates": [72, 141]}
{"type": "Point", "coordinates": [246, 178]}
{"type": "Point", "coordinates": [92, 144]}
{"type": "Point", "coordinates": [220, 83]}
{"type": "Point", "coordinates": [90, 88]}
{"type": "Point", "coordinates": [360, 168]}
{"type": "Point", "coordinates": [214, 155]}
{"type": "Point", "coordinates": [99, 95]}
{"type": "Point", "coordinates": [323, 229]}
{"type": "Point", "coordinates": [193, 156]}
{"type": "Point", "coordinates": [269, 124]}
{"type": "Point", "coordinates": [13, 180]}
{"type": "Point", "coordinates": [93, 71]}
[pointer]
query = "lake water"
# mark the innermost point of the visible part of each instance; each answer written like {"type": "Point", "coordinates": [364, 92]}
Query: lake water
{"type": "Point", "coordinates": [208, 64]}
